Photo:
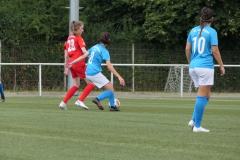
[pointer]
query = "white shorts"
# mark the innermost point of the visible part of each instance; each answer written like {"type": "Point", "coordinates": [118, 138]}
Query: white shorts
{"type": "Point", "coordinates": [99, 80]}
{"type": "Point", "coordinates": [202, 76]}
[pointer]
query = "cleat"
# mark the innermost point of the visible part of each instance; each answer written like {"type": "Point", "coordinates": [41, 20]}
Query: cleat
{"type": "Point", "coordinates": [96, 101]}
{"type": "Point", "coordinates": [81, 104]}
{"type": "Point", "coordinates": [2, 98]}
{"type": "Point", "coordinates": [114, 109]}
{"type": "Point", "coordinates": [63, 106]}
{"type": "Point", "coordinates": [191, 124]}
{"type": "Point", "coordinates": [200, 129]}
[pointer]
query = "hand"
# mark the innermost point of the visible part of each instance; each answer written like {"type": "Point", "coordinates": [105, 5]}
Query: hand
{"type": "Point", "coordinates": [65, 65]}
{"type": "Point", "coordinates": [121, 80]}
{"type": "Point", "coordinates": [222, 70]}
{"type": "Point", "coordinates": [66, 71]}
{"type": "Point", "coordinates": [69, 65]}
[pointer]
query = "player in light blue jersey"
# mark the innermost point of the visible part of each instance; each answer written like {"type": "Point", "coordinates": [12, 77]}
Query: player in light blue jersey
{"type": "Point", "coordinates": [201, 46]}
{"type": "Point", "coordinates": [98, 54]}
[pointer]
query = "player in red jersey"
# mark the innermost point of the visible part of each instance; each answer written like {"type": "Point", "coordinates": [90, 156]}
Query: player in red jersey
{"type": "Point", "coordinates": [74, 48]}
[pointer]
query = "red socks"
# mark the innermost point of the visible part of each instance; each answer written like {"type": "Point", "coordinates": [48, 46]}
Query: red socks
{"type": "Point", "coordinates": [86, 91]}
{"type": "Point", "coordinates": [70, 93]}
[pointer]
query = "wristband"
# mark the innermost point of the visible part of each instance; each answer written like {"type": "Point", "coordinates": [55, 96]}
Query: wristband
{"type": "Point", "coordinates": [72, 63]}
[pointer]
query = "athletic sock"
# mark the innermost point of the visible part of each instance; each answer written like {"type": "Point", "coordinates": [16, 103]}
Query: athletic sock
{"type": "Point", "coordinates": [87, 90]}
{"type": "Point", "coordinates": [104, 95]}
{"type": "Point", "coordinates": [193, 116]}
{"type": "Point", "coordinates": [1, 89]}
{"type": "Point", "coordinates": [207, 100]}
{"type": "Point", "coordinates": [111, 99]}
{"type": "Point", "coordinates": [199, 110]}
{"type": "Point", "coordinates": [70, 93]}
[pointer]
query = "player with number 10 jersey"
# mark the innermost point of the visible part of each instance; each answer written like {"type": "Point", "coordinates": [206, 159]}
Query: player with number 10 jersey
{"type": "Point", "coordinates": [201, 56]}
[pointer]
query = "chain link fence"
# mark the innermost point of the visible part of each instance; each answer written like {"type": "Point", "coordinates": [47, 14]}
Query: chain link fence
{"type": "Point", "coordinates": [25, 78]}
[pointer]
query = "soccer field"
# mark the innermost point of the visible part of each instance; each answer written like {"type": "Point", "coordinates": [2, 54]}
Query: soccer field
{"type": "Point", "coordinates": [145, 129]}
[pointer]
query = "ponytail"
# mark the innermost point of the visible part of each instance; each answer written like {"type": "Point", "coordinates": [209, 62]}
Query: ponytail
{"type": "Point", "coordinates": [75, 25]}
{"type": "Point", "coordinates": [206, 15]}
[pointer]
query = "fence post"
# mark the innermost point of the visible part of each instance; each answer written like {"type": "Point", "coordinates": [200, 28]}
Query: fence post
{"type": "Point", "coordinates": [133, 89]}
{"type": "Point", "coordinates": [40, 80]}
{"type": "Point", "coordinates": [181, 82]}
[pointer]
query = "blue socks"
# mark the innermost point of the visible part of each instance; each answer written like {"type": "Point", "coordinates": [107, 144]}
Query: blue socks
{"type": "Point", "coordinates": [107, 94]}
{"type": "Point", "coordinates": [1, 89]}
{"type": "Point", "coordinates": [198, 112]}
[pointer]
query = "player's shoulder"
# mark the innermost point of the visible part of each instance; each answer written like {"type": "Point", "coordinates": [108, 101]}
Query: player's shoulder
{"type": "Point", "coordinates": [71, 36]}
{"type": "Point", "coordinates": [195, 29]}
{"type": "Point", "coordinates": [78, 37]}
{"type": "Point", "coordinates": [212, 29]}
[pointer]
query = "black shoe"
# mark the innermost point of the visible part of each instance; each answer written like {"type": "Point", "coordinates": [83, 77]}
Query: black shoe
{"type": "Point", "coordinates": [114, 109]}
{"type": "Point", "coordinates": [96, 101]}
{"type": "Point", "coordinates": [3, 98]}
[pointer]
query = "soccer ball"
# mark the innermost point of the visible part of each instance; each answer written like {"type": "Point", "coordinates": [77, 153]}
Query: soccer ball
{"type": "Point", "coordinates": [117, 103]}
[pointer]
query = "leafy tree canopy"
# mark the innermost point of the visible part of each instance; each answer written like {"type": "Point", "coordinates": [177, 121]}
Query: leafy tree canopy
{"type": "Point", "coordinates": [166, 22]}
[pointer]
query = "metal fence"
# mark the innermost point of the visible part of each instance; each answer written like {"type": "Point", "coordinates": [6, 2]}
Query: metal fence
{"type": "Point", "coordinates": [148, 78]}
{"type": "Point", "coordinates": [145, 67]}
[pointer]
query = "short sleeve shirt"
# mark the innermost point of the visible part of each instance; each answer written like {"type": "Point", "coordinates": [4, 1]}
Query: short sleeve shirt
{"type": "Point", "coordinates": [97, 55]}
{"type": "Point", "coordinates": [73, 47]}
{"type": "Point", "coordinates": [201, 51]}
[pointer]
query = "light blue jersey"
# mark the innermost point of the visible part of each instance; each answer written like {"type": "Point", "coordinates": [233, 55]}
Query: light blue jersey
{"type": "Point", "coordinates": [97, 54]}
{"type": "Point", "coordinates": [201, 54]}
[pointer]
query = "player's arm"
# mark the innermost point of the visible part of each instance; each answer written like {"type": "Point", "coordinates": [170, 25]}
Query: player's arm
{"type": "Point", "coordinates": [112, 69]}
{"type": "Point", "coordinates": [217, 56]}
{"type": "Point", "coordinates": [85, 54]}
{"type": "Point", "coordinates": [66, 57]}
{"type": "Point", "coordinates": [188, 51]}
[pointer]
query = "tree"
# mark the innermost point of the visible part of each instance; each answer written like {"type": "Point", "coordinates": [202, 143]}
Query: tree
{"type": "Point", "coordinates": [165, 21]}
{"type": "Point", "coordinates": [28, 20]}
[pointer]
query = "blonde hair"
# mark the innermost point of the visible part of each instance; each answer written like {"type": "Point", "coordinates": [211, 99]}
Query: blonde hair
{"type": "Point", "coordinates": [75, 25]}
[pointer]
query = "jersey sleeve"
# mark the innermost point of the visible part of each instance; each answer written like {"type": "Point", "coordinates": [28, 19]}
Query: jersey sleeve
{"type": "Point", "coordinates": [81, 42]}
{"type": "Point", "coordinates": [214, 38]}
{"type": "Point", "coordinates": [106, 55]}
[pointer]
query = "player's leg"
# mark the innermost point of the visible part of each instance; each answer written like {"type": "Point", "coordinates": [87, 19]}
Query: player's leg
{"type": "Point", "coordinates": [72, 90]}
{"type": "Point", "coordinates": [195, 79]}
{"type": "Point", "coordinates": [90, 86]}
{"type": "Point", "coordinates": [86, 91]}
{"type": "Point", "coordinates": [2, 92]}
{"type": "Point", "coordinates": [200, 107]}
{"type": "Point", "coordinates": [111, 97]}
{"type": "Point", "coordinates": [192, 121]}
{"type": "Point", "coordinates": [103, 95]}
{"type": "Point", "coordinates": [70, 93]}
{"type": "Point", "coordinates": [206, 78]}
{"type": "Point", "coordinates": [101, 81]}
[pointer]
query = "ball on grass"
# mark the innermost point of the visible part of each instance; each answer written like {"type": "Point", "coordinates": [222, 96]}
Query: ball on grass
{"type": "Point", "coordinates": [117, 103]}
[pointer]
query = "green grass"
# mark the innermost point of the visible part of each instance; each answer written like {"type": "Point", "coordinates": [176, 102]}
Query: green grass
{"type": "Point", "coordinates": [145, 129]}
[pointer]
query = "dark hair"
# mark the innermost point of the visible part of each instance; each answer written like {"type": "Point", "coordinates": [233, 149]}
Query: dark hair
{"type": "Point", "coordinates": [75, 25]}
{"type": "Point", "coordinates": [206, 15]}
{"type": "Point", "coordinates": [104, 38]}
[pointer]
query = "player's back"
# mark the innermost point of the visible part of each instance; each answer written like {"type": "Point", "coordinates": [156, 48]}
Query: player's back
{"type": "Point", "coordinates": [201, 54]}
{"type": "Point", "coordinates": [73, 47]}
{"type": "Point", "coordinates": [97, 54]}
